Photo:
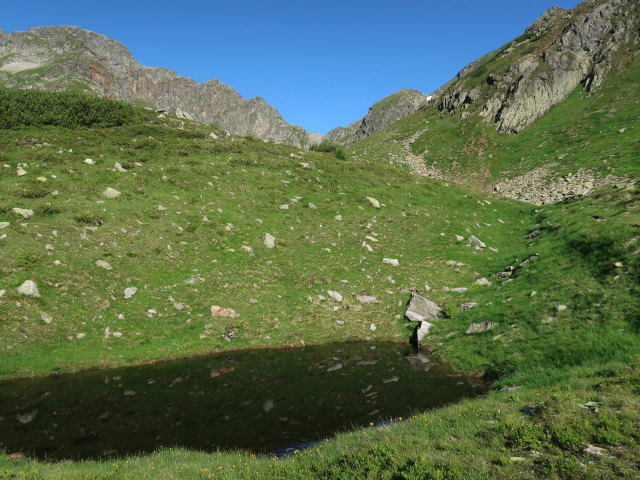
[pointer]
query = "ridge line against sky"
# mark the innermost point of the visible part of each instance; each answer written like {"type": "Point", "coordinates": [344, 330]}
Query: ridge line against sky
{"type": "Point", "coordinates": [321, 65]}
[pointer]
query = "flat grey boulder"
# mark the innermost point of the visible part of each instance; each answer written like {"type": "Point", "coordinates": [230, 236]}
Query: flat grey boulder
{"type": "Point", "coordinates": [482, 326]}
{"type": "Point", "coordinates": [29, 288]}
{"type": "Point", "coordinates": [23, 212]}
{"type": "Point", "coordinates": [421, 309]}
{"type": "Point", "coordinates": [367, 299]}
{"type": "Point", "coordinates": [335, 295]}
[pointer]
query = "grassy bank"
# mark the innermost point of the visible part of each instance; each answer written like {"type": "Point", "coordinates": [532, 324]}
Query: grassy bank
{"type": "Point", "coordinates": [189, 202]}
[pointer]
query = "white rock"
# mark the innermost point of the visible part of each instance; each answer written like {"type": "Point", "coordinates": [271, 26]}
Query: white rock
{"type": "Point", "coordinates": [373, 327]}
{"type": "Point", "coordinates": [46, 318]}
{"type": "Point", "coordinates": [107, 332]}
{"type": "Point", "coordinates": [338, 218]}
{"type": "Point", "coordinates": [268, 405]}
{"type": "Point", "coordinates": [367, 247]}
{"type": "Point", "coordinates": [27, 417]}
{"type": "Point", "coordinates": [117, 334]}
{"type": "Point", "coordinates": [269, 240]}
{"type": "Point", "coordinates": [391, 261]}
{"type": "Point", "coordinates": [21, 171]}
{"type": "Point", "coordinates": [161, 208]}
{"type": "Point", "coordinates": [247, 249]}
{"type": "Point", "coordinates": [111, 192]}
{"type": "Point", "coordinates": [41, 179]}
{"type": "Point", "coordinates": [374, 202]}
{"type": "Point", "coordinates": [24, 212]}
{"type": "Point", "coordinates": [29, 288]}
{"type": "Point", "coordinates": [80, 335]}
{"type": "Point", "coordinates": [459, 238]}
{"type": "Point", "coordinates": [2, 293]}
{"type": "Point", "coordinates": [335, 295]}
{"type": "Point", "coordinates": [117, 166]}
{"type": "Point", "coordinates": [312, 206]}
{"type": "Point", "coordinates": [130, 292]}
{"type": "Point", "coordinates": [104, 264]}
{"type": "Point", "coordinates": [284, 206]}
{"type": "Point", "coordinates": [423, 330]}
{"type": "Point", "coordinates": [482, 282]}
{"type": "Point", "coordinates": [88, 161]}
{"type": "Point", "coordinates": [560, 308]}
{"type": "Point", "coordinates": [475, 240]}
{"type": "Point", "coordinates": [4, 225]}
{"type": "Point", "coordinates": [367, 299]}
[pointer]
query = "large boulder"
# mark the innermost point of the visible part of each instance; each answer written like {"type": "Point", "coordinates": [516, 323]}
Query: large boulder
{"type": "Point", "coordinates": [421, 309]}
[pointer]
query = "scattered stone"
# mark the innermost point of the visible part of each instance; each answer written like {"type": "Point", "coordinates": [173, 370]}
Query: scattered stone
{"type": "Point", "coordinates": [453, 263]}
{"type": "Point", "coordinates": [269, 240]}
{"type": "Point", "coordinates": [467, 306]}
{"type": "Point", "coordinates": [422, 331]}
{"type": "Point", "coordinates": [268, 405]}
{"type": "Point", "coordinates": [511, 388]}
{"type": "Point", "coordinates": [482, 282]}
{"type": "Point", "coordinates": [21, 172]}
{"type": "Point", "coordinates": [29, 288]}
{"type": "Point", "coordinates": [284, 207]}
{"type": "Point", "coordinates": [335, 367]}
{"type": "Point", "coordinates": [367, 299]}
{"type": "Point", "coordinates": [338, 218]}
{"type": "Point", "coordinates": [111, 192]}
{"type": "Point", "coordinates": [4, 225]}
{"type": "Point", "coordinates": [335, 295]}
{"type": "Point", "coordinates": [41, 179]}
{"type": "Point", "coordinates": [373, 327]}
{"type": "Point", "coordinates": [2, 293]}
{"type": "Point", "coordinates": [27, 417]}
{"type": "Point", "coordinates": [427, 288]}
{"type": "Point", "coordinates": [161, 208]}
{"type": "Point", "coordinates": [475, 240]}
{"type": "Point", "coordinates": [117, 334]}
{"type": "Point", "coordinates": [247, 249]}
{"type": "Point", "coordinates": [458, 289]}
{"type": "Point", "coordinates": [421, 308]}
{"type": "Point", "coordinates": [117, 166]}
{"type": "Point", "coordinates": [374, 202]}
{"type": "Point", "coordinates": [535, 233]}
{"type": "Point", "coordinates": [367, 247]}
{"type": "Point", "coordinates": [46, 318]}
{"type": "Point", "coordinates": [390, 380]}
{"type": "Point", "coordinates": [560, 308]}
{"type": "Point", "coordinates": [80, 335]}
{"type": "Point", "coordinates": [391, 261]}
{"type": "Point", "coordinates": [482, 326]}
{"type": "Point", "coordinates": [88, 161]}
{"type": "Point", "coordinates": [104, 264]}
{"type": "Point", "coordinates": [24, 212]}
{"type": "Point", "coordinates": [130, 292]}
{"type": "Point", "coordinates": [217, 311]}
{"type": "Point", "coordinates": [593, 450]}
{"type": "Point", "coordinates": [129, 393]}
{"type": "Point", "coordinates": [459, 238]}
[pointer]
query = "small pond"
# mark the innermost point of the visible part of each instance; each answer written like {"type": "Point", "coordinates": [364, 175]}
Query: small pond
{"type": "Point", "coordinates": [256, 400]}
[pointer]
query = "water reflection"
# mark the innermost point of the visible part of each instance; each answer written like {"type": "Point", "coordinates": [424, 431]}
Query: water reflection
{"type": "Point", "coordinates": [256, 400]}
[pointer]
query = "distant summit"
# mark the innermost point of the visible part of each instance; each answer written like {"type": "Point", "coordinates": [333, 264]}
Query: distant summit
{"type": "Point", "coordinates": [70, 58]}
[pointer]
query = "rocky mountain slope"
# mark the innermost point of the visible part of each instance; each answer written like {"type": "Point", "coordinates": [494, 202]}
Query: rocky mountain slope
{"type": "Point", "coordinates": [380, 115]}
{"type": "Point", "coordinates": [59, 58]}
{"type": "Point", "coordinates": [520, 82]}
{"type": "Point", "coordinates": [567, 87]}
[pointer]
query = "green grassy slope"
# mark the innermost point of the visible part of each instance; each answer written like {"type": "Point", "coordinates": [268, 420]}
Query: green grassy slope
{"type": "Point", "coordinates": [585, 258]}
{"type": "Point", "coordinates": [581, 132]}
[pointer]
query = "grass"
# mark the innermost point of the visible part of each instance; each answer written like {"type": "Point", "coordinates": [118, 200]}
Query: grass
{"type": "Point", "coordinates": [189, 203]}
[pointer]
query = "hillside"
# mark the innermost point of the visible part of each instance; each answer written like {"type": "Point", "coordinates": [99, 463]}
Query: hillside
{"type": "Point", "coordinates": [578, 132]}
{"type": "Point", "coordinates": [131, 238]}
{"type": "Point", "coordinates": [70, 58]}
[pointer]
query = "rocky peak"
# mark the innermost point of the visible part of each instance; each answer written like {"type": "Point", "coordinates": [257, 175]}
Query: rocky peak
{"type": "Point", "coordinates": [55, 58]}
{"type": "Point", "coordinates": [522, 81]}
{"type": "Point", "coordinates": [380, 115]}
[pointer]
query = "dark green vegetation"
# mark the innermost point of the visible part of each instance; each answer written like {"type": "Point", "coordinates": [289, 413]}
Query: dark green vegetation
{"type": "Point", "coordinates": [65, 109]}
{"type": "Point", "coordinates": [328, 147]}
{"type": "Point", "coordinates": [564, 359]}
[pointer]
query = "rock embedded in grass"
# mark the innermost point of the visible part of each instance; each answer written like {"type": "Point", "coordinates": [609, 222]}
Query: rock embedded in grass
{"type": "Point", "coordinates": [335, 295]}
{"type": "Point", "coordinates": [421, 308]}
{"type": "Point", "coordinates": [23, 212]}
{"type": "Point", "coordinates": [4, 225]}
{"type": "Point", "coordinates": [391, 261]}
{"type": "Point", "coordinates": [217, 311]}
{"type": "Point", "coordinates": [269, 240]}
{"type": "Point", "coordinates": [482, 282]}
{"type": "Point", "coordinates": [367, 299]}
{"type": "Point", "coordinates": [374, 202]}
{"type": "Point", "coordinates": [111, 192]}
{"type": "Point", "coordinates": [29, 289]}
{"type": "Point", "coordinates": [482, 327]}
{"type": "Point", "coordinates": [467, 306]}
{"type": "Point", "coordinates": [104, 264]}
{"type": "Point", "coordinates": [130, 292]}
{"type": "Point", "coordinates": [475, 240]}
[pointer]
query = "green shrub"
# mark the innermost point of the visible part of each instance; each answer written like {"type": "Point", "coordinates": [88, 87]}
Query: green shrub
{"type": "Point", "coordinates": [19, 108]}
{"type": "Point", "coordinates": [328, 147]}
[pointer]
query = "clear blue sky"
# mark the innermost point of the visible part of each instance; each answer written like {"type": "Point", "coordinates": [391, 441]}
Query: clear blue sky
{"type": "Point", "coordinates": [321, 64]}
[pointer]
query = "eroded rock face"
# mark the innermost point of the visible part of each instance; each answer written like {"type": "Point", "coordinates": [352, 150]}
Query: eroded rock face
{"type": "Point", "coordinates": [70, 55]}
{"type": "Point", "coordinates": [567, 48]}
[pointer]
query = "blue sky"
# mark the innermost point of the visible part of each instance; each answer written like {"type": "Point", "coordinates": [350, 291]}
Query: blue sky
{"type": "Point", "coordinates": [321, 64]}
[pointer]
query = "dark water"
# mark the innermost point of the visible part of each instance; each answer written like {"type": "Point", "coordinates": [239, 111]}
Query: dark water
{"type": "Point", "coordinates": [256, 400]}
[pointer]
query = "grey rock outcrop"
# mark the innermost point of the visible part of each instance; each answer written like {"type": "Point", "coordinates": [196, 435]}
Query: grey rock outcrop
{"type": "Point", "coordinates": [421, 308]}
{"type": "Point", "coordinates": [565, 48]}
{"type": "Point", "coordinates": [66, 56]}
{"type": "Point", "coordinates": [380, 115]}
